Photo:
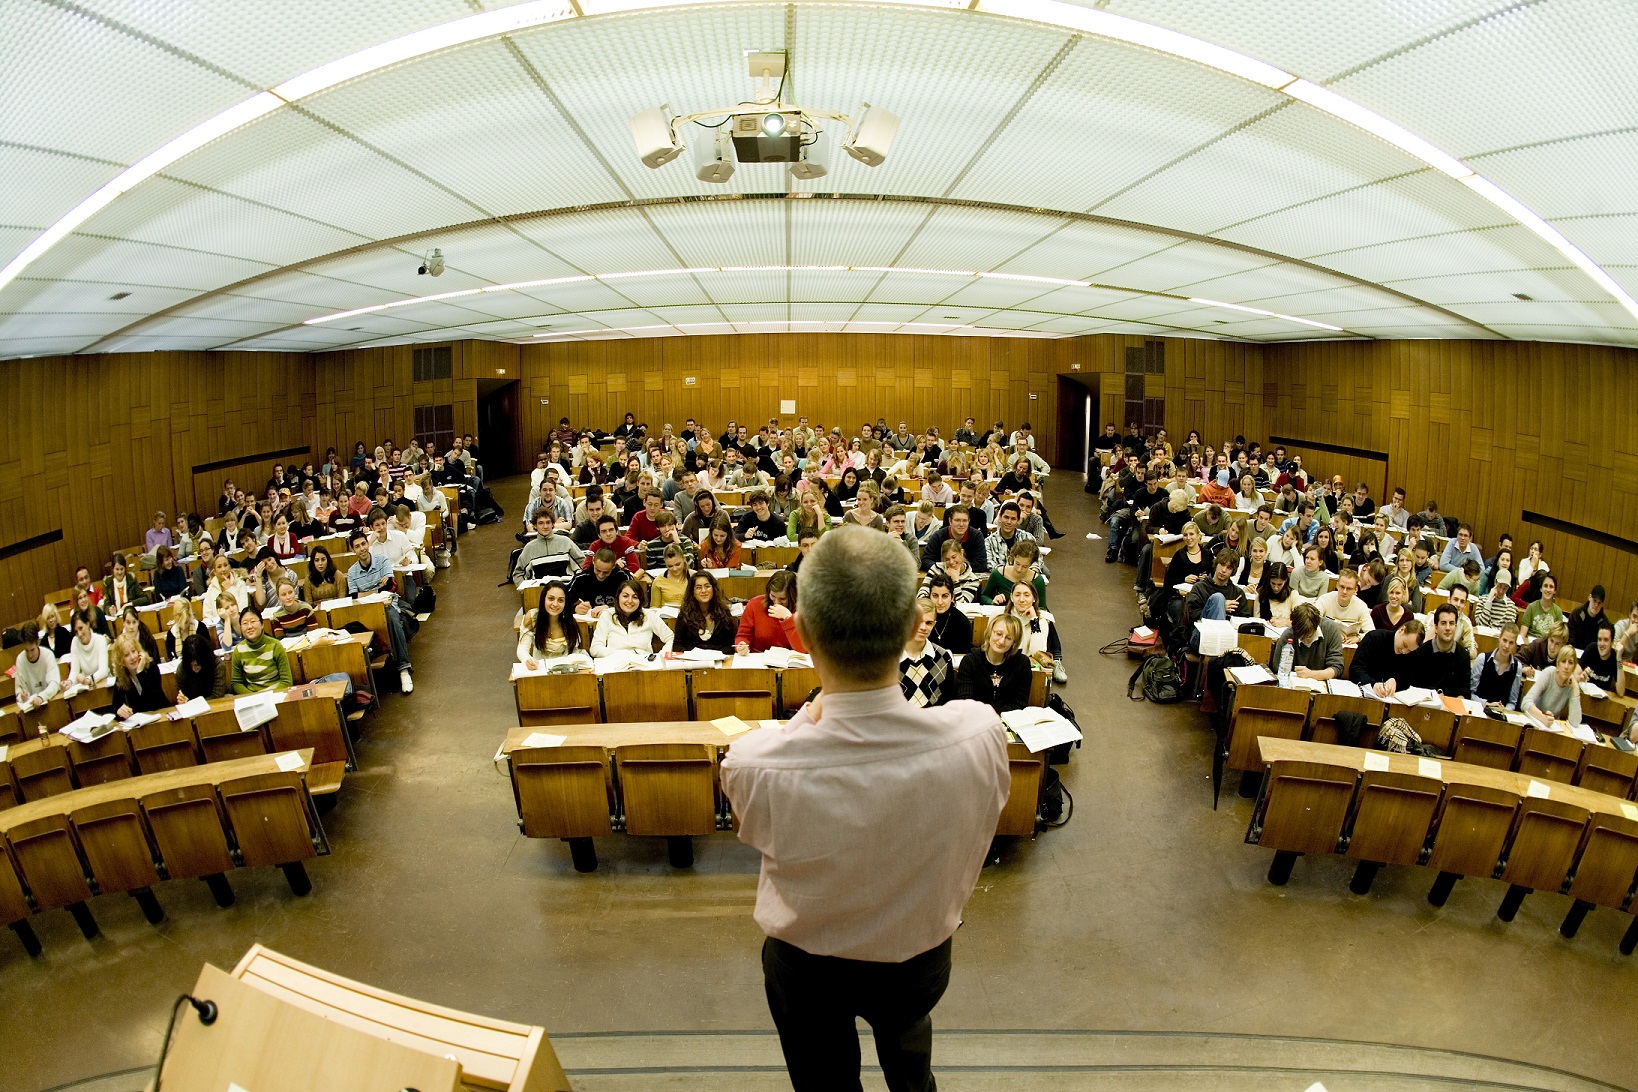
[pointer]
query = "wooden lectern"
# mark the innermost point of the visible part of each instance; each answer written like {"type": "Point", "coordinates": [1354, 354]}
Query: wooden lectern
{"type": "Point", "coordinates": [285, 1026]}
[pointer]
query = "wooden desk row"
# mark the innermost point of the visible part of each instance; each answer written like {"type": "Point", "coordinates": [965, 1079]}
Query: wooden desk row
{"type": "Point", "coordinates": [1457, 819]}
{"type": "Point", "coordinates": [661, 779]}
{"type": "Point", "coordinates": [1275, 712]}
{"type": "Point", "coordinates": [309, 718]}
{"type": "Point", "coordinates": [676, 694]}
{"type": "Point", "coordinates": [199, 822]}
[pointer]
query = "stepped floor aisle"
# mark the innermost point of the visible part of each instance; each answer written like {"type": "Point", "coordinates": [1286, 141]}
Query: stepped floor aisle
{"type": "Point", "coordinates": [1145, 913]}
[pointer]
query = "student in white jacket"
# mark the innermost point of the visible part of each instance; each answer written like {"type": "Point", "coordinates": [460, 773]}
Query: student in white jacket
{"type": "Point", "coordinates": [88, 654]}
{"type": "Point", "coordinates": [630, 626]}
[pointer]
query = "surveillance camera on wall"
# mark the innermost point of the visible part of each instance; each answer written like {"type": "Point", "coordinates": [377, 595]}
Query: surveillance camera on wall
{"type": "Point", "coordinates": [432, 264]}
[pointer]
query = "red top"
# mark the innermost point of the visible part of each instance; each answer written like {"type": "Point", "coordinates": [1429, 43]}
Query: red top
{"type": "Point", "coordinates": [624, 549]}
{"type": "Point", "coordinates": [762, 632]}
{"type": "Point", "coordinates": [642, 528]}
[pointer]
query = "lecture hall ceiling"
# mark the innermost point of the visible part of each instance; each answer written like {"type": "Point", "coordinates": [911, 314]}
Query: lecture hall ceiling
{"type": "Point", "coordinates": [1194, 167]}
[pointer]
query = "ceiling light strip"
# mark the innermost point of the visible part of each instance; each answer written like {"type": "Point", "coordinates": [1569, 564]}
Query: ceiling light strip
{"type": "Point", "coordinates": [692, 271]}
{"type": "Point", "coordinates": [1069, 16]}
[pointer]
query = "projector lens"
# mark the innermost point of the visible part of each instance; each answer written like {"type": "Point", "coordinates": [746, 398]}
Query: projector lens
{"type": "Point", "coordinates": [773, 124]}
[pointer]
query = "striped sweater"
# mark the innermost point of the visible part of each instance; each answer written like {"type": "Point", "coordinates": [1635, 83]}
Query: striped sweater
{"type": "Point", "coordinates": [260, 665]}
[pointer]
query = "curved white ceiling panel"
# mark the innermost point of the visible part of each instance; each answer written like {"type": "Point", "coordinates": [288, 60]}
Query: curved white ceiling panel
{"type": "Point", "coordinates": [1075, 144]}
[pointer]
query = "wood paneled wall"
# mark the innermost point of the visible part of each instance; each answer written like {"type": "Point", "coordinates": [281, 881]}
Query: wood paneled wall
{"type": "Point", "coordinates": [1489, 430]}
{"type": "Point", "coordinates": [95, 444]}
{"type": "Point", "coordinates": [836, 379]}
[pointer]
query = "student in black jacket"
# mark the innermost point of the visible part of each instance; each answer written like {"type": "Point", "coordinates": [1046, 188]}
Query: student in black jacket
{"type": "Point", "coordinates": [1387, 661]}
{"type": "Point", "coordinates": [137, 688]}
{"type": "Point", "coordinates": [1585, 619]}
{"type": "Point", "coordinates": [1447, 667]}
{"type": "Point", "coordinates": [952, 630]}
{"type": "Point", "coordinates": [998, 675]}
{"type": "Point", "coordinates": [1599, 660]}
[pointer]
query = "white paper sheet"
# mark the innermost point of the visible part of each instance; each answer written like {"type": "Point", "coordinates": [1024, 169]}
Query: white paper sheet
{"type": "Point", "coordinates": [731, 726]}
{"type": "Point", "coordinates": [1251, 675]}
{"type": "Point", "coordinates": [1217, 636]}
{"type": "Point", "coordinates": [1376, 761]}
{"type": "Point", "coordinates": [542, 739]}
{"type": "Point", "coordinates": [1040, 729]}
{"type": "Point", "coordinates": [1429, 767]}
{"type": "Point", "coordinates": [288, 762]}
{"type": "Point", "coordinates": [1538, 789]}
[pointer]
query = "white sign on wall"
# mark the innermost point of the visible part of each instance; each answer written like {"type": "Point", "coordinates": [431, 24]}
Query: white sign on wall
{"type": "Point", "coordinates": [787, 405]}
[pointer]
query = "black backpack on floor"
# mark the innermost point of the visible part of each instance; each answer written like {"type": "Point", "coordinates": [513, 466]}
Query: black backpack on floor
{"type": "Point", "coordinates": [1159, 680]}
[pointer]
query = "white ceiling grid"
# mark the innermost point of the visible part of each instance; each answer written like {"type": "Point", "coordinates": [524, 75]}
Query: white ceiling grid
{"type": "Point", "coordinates": [325, 207]}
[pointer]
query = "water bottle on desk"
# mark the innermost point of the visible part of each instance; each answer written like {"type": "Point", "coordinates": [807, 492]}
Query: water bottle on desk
{"type": "Point", "coordinates": [1286, 657]}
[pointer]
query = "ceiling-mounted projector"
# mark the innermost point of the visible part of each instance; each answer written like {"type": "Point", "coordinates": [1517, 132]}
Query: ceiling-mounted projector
{"type": "Point", "coordinates": [765, 129]}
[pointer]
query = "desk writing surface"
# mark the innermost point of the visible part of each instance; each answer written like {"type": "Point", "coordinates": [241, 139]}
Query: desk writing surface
{"type": "Point", "coordinates": [1452, 773]}
{"type": "Point", "coordinates": [622, 735]}
{"type": "Point", "coordinates": [129, 788]}
{"type": "Point", "coordinates": [263, 1044]}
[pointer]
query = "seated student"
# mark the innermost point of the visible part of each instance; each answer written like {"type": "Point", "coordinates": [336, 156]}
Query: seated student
{"type": "Point", "coordinates": [720, 550]}
{"type": "Point", "coordinates": [1215, 596]}
{"type": "Point", "coordinates": [1539, 654]}
{"type": "Point", "coordinates": [898, 517]}
{"type": "Point", "coordinates": [1599, 661]}
{"type": "Point", "coordinates": [1468, 574]}
{"type": "Point", "coordinates": [170, 579]}
{"type": "Point", "coordinates": [966, 581]}
{"type": "Point", "coordinates": [1544, 614]}
{"type": "Point", "coordinates": [549, 630]}
{"type": "Point", "coordinates": [670, 534]}
{"type": "Point", "coordinates": [36, 677]}
{"type": "Point", "coordinates": [129, 627]}
{"type": "Point", "coordinates": [53, 634]}
{"type": "Point", "coordinates": [1448, 667]}
{"type": "Point", "coordinates": [1188, 565]}
{"type": "Point", "coordinates": [137, 686]}
{"type": "Point", "coordinates": [1330, 554]}
{"type": "Point", "coordinates": [590, 511]}
{"type": "Point", "coordinates": [1496, 607]}
{"type": "Point", "coordinates": [926, 673]}
{"type": "Point", "coordinates": [1315, 643]}
{"type": "Point", "coordinates": [630, 626]}
{"type": "Point", "coordinates": [1498, 676]}
{"type": "Point", "coordinates": [1556, 694]}
{"type": "Point", "coordinates": [1344, 607]}
{"type": "Point", "coordinates": [259, 661]}
{"type": "Point", "coordinates": [1626, 634]}
{"type": "Point", "coordinates": [1018, 567]}
{"type": "Point", "coordinates": [282, 542]}
{"type": "Point", "coordinates": [1388, 662]}
{"type": "Point", "coordinates": [1459, 549]}
{"type": "Point", "coordinates": [263, 578]}
{"type": "Point", "coordinates": [769, 620]}
{"type": "Point", "coordinates": [864, 511]}
{"type": "Point", "coordinates": [89, 662]}
{"type": "Point", "coordinates": [1285, 547]}
{"type": "Point", "coordinates": [1585, 619]}
{"type": "Point", "coordinates": [121, 588]}
{"type": "Point", "coordinates": [809, 517]}
{"type": "Point", "coordinates": [196, 671]}
{"type": "Point", "coordinates": [699, 521]}
{"type": "Point", "coordinates": [1392, 612]}
{"type": "Point", "coordinates": [1271, 598]}
{"type": "Point", "coordinates": [705, 620]}
{"type": "Point", "coordinates": [1371, 580]}
{"type": "Point", "coordinates": [593, 589]}
{"type": "Point", "coordinates": [545, 545]}
{"type": "Point", "coordinates": [290, 617]}
{"type": "Point", "coordinates": [670, 588]}
{"type": "Point", "coordinates": [996, 673]}
{"type": "Point", "coordinates": [937, 491]}
{"type": "Point", "coordinates": [1040, 637]}
{"type": "Point", "coordinates": [221, 622]}
{"type": "Point", "coordinates": [958, 528]}
{"type": "Point", "coordinates": [952, 630]}
{"type": "Point", "coordinates": [759, 522]}
{"type": "Point", "coordinates": [370, 573]}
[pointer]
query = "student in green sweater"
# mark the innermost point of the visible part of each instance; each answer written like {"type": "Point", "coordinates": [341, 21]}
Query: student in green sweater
{"type": "Point", "coordinates": [1542, 615]}
{"type": "Point", "coordinates": [259, 661]}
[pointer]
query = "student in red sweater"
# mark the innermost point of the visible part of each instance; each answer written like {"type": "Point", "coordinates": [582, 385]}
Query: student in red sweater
{"type": "Point", "coordinates": [769, 621]}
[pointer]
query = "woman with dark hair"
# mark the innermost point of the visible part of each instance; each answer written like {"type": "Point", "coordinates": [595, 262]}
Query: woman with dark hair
{"type": "Point", "coordinates": [322, 581]}
{"type": "Point", "coordinates": [720, 550]}
{"type": "Point", "coordinates": [197, 675]}
{"type": "Point", "coordinates": [847, 489]}
{"type": "Point", "coordinates": [769, 620]}
{"type": "Point", "coordinates": [699, 520]}
{"type": "Point", "coordinates": [549, 630]}
{"type": "Point", "coordinates": [705, 620]}
{"type": "Point", "coordinates": [631, 626]}
{"type": "Point", "coordinates": [1275, 597]}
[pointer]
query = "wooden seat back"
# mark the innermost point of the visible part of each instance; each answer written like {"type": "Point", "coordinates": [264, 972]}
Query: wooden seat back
{"type": "Point", "coordinates": [1393, 813]}
{"type": "Point", "coordinates": [221, 738]}
{"type": "Point", "coordinates": [50, 862]}
{"type": "Point", "coordinates": [189, 830]}
{"type": "Point", "coordinates": [1024, 796]}
{"type": "Point", "coordinates": [1264, 711]}
{"type": "Point", "coordinates": [1471, 829]}
{"type": "Point", "coordinates": [1481, 741]}
{"type": "Point", "coordinates": [668, 788]}
{"type": "Point", "coordinates": [1550, 755]}
{"type": "Point", "coordinates": [746, 693]}
{"type": "Point", "coordinates": [317, 661]}
{"type": "Point", "coordinates": [309, 722]}
{"type": "Point", "coordinates": [42, 771]}
{"type": "Point", "coordinates": [493, 1054]}
{"type": "Point", "coordinates": [563, 792]}
{"type": "Point", "coordinates": [10, 797]}
{"type": "Point", "coordinates": [1607, 770]}
{"type": "Point", "coordinates": [102, 760]}
{"type": "Point", "coordinates": [11, 726]}
{"type": "Point", "coordinates": [1322, 717]}
{"type": "Point", "coordinates": [270, 816]}
{"type": "Point", "coordinates": [558, 699]}
{"type": "Point", "coordinates": [13, 904]}
{"type": "Point", "coordinates": [164, 745]}
{"type": "Point", "coordinates": [1607, 866]}
{"type": "Point", "coordinates": [1303, 806]}
{"type": "Point", "coordinates": [48, 718]}
{"type": "Point", "coordinates": [645, 695]}
{"type": "Point", "coordinates": [1546, 835]}
{"type": "Point", "coordinates": [1435, 726]}
{"type": "Point", "coordinates": [796, 683]}
{"type": "Point", "coordinates": [116, 845]}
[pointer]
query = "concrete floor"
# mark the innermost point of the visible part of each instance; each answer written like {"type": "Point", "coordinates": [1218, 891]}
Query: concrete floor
{"type": "Point", "coordinates": [1147, 912]}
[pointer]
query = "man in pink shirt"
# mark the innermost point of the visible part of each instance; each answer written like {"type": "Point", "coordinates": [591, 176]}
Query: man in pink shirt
{"type": "Point", "coordinates": [873, 818]}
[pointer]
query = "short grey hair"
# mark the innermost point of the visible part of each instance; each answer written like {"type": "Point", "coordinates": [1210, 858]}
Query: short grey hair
{"type": "Point", "coordinates": [858, 596]}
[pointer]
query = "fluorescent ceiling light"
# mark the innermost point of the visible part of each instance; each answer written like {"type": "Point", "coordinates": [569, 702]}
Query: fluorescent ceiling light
{"type": "Point", "coordinates": [1069, 16]}
{"type": "Point", "coordinates": [1260, 311]}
